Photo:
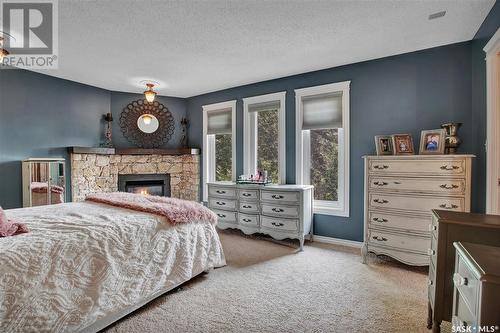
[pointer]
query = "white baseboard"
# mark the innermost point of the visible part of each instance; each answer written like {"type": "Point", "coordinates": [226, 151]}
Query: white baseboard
{"type": "Point", "coordinates": [338, 241]}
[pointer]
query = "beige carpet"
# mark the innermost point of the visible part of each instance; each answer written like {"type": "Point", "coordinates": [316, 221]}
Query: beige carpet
{"type": "Point", "coordinates": [267, 287]}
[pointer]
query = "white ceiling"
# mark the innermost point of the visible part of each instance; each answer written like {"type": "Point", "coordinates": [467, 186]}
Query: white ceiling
{"type": "Point", "coordinates": [194, 47]}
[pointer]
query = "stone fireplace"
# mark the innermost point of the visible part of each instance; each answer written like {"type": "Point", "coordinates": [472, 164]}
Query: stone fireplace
{"type": "Point", "coordinates": [95, 170]}
{"type": "Point", "coordinates": [154, 184]}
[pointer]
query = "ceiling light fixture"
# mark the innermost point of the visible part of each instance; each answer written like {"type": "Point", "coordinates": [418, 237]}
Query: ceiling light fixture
{"type": "Point", "coordinates": [3, 52]}
{"type": "Point", "coordinates": [437, 15]}
{"type": "Point", "coordinates": [149, 93]}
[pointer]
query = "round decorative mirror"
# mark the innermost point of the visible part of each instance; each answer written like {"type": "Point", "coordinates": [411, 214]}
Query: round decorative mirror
{"type": "Point", "coordinates": [147, 124]}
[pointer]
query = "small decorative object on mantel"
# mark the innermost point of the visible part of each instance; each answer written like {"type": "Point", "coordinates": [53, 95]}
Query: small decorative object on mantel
{"type": "Point", "coordinates": [147, 125]}
{"type": "Point", "coordinates": [384, 145]}
{"type": "Point", "coordinates": [432, 141]}
{"type": "Point", "coordinates": [403, 144]}
{"type": "Point", "coordinates": [108, 143]}
{"type": "Point", "coordinates": [184, 139]}
{"type": "Point", "coordinates": [452, 140]}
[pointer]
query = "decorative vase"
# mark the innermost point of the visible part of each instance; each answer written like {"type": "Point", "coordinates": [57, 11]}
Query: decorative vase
{"type": "Point", "coordinates": [452, 141]}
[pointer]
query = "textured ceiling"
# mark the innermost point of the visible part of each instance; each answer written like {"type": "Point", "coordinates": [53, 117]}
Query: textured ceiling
{"type": "Point", "coordinates": [194, 47]}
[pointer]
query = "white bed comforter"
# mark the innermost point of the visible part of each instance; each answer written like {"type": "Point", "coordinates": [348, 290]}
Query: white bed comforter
{"type": "Point", "coordinates": [84, 261]}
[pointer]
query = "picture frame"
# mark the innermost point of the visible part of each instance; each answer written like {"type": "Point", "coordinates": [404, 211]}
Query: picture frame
{"type": "Point", "coordinates": [432, 141]}
{"type": "Point", "coordinates": [403, 144]}
{"type": "Point", "coordinates": [384, 145]}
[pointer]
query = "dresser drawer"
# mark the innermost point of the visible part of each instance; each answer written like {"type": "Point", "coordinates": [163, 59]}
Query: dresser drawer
{"type": "Point", "coordinates": [222, 192]}
{"type": "Point", "coordinates": [424, 185]}
{"type": "Point", "coordinates": [219, 203]}
{"type": "Point", "coordinates": [433, 250]}
{"type": "Point", "coordinates": [280, 211]}
{"type": "Point", "coordinates": [248, 220]}
{"type": "Point", "coordinates": [431, 283]}
{"type": "Point", "coordinates": [285, 225]}
{"type": "Point", "coordinates": [400, 241]}
{"type": "Point", "coordinates": [250, 195]}
{"type": "Point", "coordinates": [463, 317]}
{"type": "Point", "coordinates": [249, 207]}
{"type": "Point", "coordinates": [467, 284]}
{"type": "Point", "coordinates": [276, 196]}
{"type": "Point", "coordinates": [419, 167]}
{"type": "Point", "coordinates": [225, 216]}
{"type": "Point", "coordinates": [400, 222]}
{"type": "Point", "coordinates": [415, 203]}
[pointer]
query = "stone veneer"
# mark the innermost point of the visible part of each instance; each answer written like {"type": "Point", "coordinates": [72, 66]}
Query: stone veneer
{"type": "Point", "coordinates": [93, 173]}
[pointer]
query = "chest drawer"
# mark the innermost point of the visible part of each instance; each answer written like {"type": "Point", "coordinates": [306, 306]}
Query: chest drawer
{"type": "Point", "coordinates": [431, 283]}
{"type": "Point", "coordinates": [286, 225]}
{"type": "Point", "coordinates": [248, 195]}
{"type": "Point", "coordinates": [467, 284]}
{"type": "Point", "coordinates": [222, 192]}
{"type": "Point", "coordinates": [224, 216]}
{"type": "Point", "coordinates": [462, 316]}
{"type": "Point", "coordinates": [415, 203]}
{"type": "Point", "coordinates": [220, 203]}
{"type": "Point", "coordinates": [437, 167]}
{"type": "Point", "coordinates": [400, 241]}
{"type": "Point", "coordinates": [249, 207]}
{"type": "Point", "coordinates": [400, 222]}
{"type": "Point", "coordinates": [279, 210]}
{"type": "Point", "coordinates": [433, 250]}
{"type": "Point", "coordinates": [248, 220]}
{"type": "Point", "coordinates": [276, 196]}
{"type": "Point", "coordinates": [441, 186]}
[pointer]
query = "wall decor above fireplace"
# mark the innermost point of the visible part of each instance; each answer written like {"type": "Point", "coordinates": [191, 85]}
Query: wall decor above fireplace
{"type": "Point", "coordinates": [147, 125]}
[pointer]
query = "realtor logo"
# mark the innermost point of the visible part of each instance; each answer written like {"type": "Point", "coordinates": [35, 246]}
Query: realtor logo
{"type": "Point", "coordinates": [29, 31]}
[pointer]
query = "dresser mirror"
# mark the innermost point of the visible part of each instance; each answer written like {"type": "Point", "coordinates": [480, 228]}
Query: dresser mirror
{"type": "Point", "coordinates": [43, 182]}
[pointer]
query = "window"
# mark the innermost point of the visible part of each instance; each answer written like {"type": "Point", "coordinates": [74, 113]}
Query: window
{"type": "Point", "coordinates": [264, 135]}
{"type": "Point", "coordinates": [219, 143]}
{"type": "Point", "coordinates": [322, 156]}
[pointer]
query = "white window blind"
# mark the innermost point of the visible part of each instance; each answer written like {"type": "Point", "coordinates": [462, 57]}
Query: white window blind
{"type": "Point", "coordinates": [219, 122]}
{"type": "Point", "coordinates": [322, 111]}
{"type": "Point", "coordinates": [267, 106]}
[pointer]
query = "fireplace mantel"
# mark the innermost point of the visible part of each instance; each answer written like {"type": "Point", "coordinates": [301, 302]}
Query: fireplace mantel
{"type": "Point", "coordinates": [133, 151]}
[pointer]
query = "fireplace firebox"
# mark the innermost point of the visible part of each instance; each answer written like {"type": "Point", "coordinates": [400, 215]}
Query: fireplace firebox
{"type": "Point", "coordinates": [152, 184]}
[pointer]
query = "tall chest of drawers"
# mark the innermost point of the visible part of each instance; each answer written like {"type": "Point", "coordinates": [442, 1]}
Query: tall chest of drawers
{"type": "Point", "coordinates": [280, 211]}
{"type": "Point", "coordinates": [400, 193]}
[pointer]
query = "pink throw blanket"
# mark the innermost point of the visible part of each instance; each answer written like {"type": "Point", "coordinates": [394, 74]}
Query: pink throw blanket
{"type": "Point", "coordinates": [175, 210]}
{"type": "Point", "coordinates": [38, 187]}
{"type": "Point", "coordinates": [9, 227]}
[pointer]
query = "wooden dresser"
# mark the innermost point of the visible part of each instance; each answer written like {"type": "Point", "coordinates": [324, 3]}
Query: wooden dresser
{"type": "Point", "coordinates": [476, 294]}
{"type": "Point", "coordinates": [280, 211]}
{"type": "Point", "coordinates": [401, 191]}
{"type": "Point", "coordinates": [449, 227]}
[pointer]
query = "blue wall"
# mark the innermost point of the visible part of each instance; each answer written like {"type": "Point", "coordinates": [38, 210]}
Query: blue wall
{"type": "Point", "coordinates": [401, 94]}
{"type": "Point", "coordinates": [40, 116]}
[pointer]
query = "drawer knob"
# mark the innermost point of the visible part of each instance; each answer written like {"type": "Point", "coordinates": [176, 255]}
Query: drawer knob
{"type": "Point", "coordinates": [430, 282]}
{"type": "Point", "coordinates": [277, 224]}
{"type": "Point", "coordinates": [448, 167]}
{"type": "Point", "coordinates": [246, 195]}
{"type": "Point", "coordinates": [459, 280]}
{"type": "Point", "coordinates": [220, 191]}
{"type": "Point", "coordinates": [247, 220]}
{"type": "Point", "coordinates": [432, 227]}
{"type": "Point", "coordinates": [451, 206]}
{"type": "Point", "coordinates": [276, 196]}
{"type": "Point", "coordinates": [380, 167]}
{"type": "Point", "coordinates": [380, 183]}
{"type": "Point", "coordinates": [379, 239]}
{"type": "Point", "coordinates": [221, 215]}
{"type": "Point", "coordinates": [448, 187]}
{"type": "Point", "coordinates": [220, 203]}
{"type": "Point", "coordinates": [378, 219]}
{"type": "Point", "coordinates": [431, 252]}
{"type": "Point", "coordinates": [278, 210]}
{"type": "Point", "coordinates": [246, 206]}
{"type": "Point", "coordinates": [382, 201]}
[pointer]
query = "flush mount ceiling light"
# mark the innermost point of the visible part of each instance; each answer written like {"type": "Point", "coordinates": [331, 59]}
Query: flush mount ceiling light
{"type": "Point", "coordinates": [437, 15]}
{"type": "Point", "coordinates": [4, 52]}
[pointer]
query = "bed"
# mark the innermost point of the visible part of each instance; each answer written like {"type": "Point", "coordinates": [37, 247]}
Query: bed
{"type": "Point", "coordinates": [85, 265]}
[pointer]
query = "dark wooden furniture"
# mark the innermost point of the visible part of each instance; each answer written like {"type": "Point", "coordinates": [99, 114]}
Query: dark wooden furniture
{"type": "Point", "coordinates": [448, 227]}
{"type": "Point", "coordinates": [476, 294]}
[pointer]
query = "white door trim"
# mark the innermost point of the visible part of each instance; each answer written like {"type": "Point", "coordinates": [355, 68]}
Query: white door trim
{"type": "Point", "coordinates": [492, 50]}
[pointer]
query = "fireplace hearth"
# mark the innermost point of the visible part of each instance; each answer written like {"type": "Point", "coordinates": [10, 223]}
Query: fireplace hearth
{"type": "Point", "coordinates": [152, 184]}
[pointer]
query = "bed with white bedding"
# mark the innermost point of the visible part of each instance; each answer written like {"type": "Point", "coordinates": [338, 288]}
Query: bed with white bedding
{"type": "Point", "coordinates": [84, 265]}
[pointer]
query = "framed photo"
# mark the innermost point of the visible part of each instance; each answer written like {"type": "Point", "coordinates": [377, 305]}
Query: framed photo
{"type": "Point", "coordinates": [432, 141]}
{"type": "Point", "coordinates": [403, 144]}
{"type": "Point", "coordinates": [384, 145]}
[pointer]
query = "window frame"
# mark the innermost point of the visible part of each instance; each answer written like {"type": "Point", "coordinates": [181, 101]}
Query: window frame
{"type": "Point", "coordinates": [209, 159]}
{"type": "Point", "coordinates": [302, 165]}
{"type": "Point", "coordinates": [250, 133]}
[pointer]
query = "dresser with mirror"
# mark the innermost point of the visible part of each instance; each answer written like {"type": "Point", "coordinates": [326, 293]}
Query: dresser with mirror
{"type": "Point", "coordinates": [44, 181]}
